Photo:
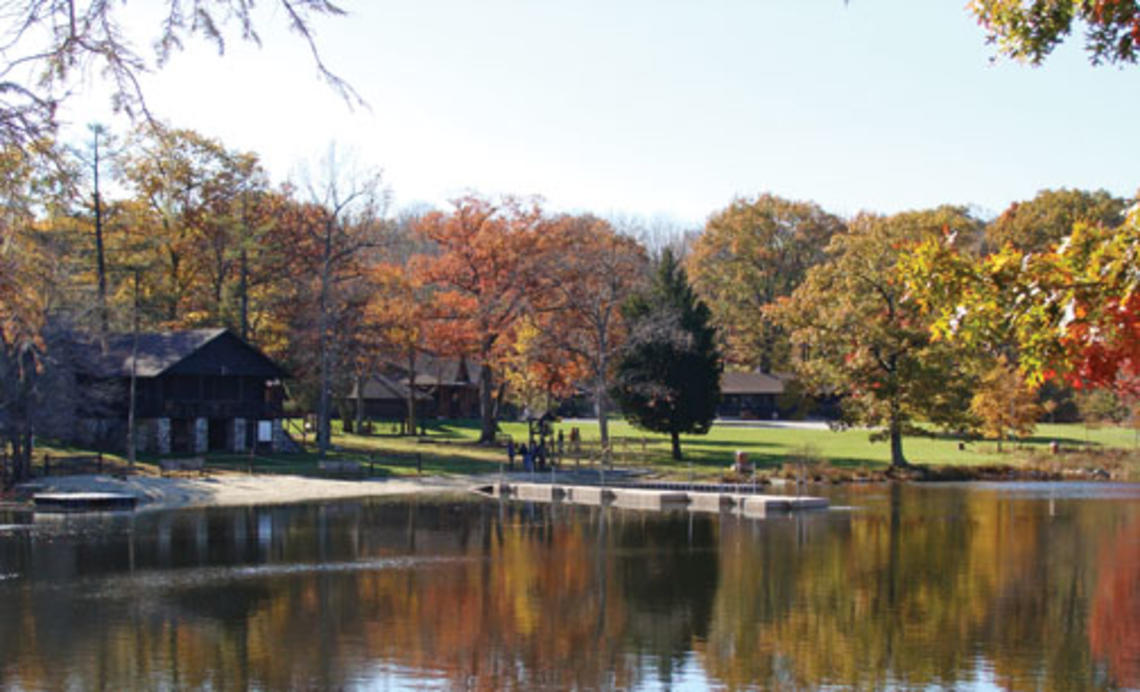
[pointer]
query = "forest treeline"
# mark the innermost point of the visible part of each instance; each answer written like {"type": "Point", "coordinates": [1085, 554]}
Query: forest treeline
{"type": "Point", "coordinates": [918, 320]}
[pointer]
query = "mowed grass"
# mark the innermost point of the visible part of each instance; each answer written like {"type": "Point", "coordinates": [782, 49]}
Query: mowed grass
{"type": "Point", "coordinates": [449, 447]}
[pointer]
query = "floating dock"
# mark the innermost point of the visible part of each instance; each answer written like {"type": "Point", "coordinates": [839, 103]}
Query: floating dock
{"type": "Point", "coordinates": [696, 500]}
{"type": "Point", "coordinates": [84, 502]}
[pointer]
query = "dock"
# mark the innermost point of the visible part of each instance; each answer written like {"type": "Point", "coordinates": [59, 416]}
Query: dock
{"type": "Point", "coordinates": [84, 502]}
{"type": "Point", "coordinates": [655, 498]}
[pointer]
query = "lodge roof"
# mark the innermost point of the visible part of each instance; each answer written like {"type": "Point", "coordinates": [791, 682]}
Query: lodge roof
{"type": "Point", "coordinates": [751, 383]}
{"type": "Point", "coordinates": [190, 352]}
{"type": "Point", "coordinates": [433, 371]}
{"type": "Point", "coordinates": [380, 387]}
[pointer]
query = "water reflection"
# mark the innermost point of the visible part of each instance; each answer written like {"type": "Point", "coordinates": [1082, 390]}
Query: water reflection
{"type": "Point", "coordinates": [917, 586]}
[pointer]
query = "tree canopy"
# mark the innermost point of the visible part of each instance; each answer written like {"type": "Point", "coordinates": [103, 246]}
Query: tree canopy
{"type": "Point", "coordinates": [1036, 225]}
{"type": "Point", "coordinates": [1029, 31]}
{"type": "Point", "coordinates": [862, 337]}
{"type": "Point", "coordinates": [749, 255]}
{"type": "Point", "coordinates": [668, 376]}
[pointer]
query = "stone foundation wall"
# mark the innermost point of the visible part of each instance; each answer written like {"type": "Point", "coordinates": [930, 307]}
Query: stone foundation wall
{"type": "Point", "coordinates": [162, 436]}
{"type": "Point", "coordinates": [278, 435]}
{"type": "Point", "coordinates": [239, 427]}
{"type": "Point", "coordinates": [144, 435]}
{"type": "Point", "coordinates": [201, 435]}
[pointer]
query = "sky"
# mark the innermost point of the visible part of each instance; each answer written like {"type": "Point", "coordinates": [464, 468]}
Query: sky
{"type": "Point", "coordinates": [660, 109]}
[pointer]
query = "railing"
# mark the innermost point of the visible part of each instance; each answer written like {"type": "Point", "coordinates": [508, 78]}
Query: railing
{"type": "Point", "coordinates": [221, 409]}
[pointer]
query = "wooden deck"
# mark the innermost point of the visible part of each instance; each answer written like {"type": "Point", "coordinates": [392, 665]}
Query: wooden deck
{"type": "Point", "coordinates": [696, 500]}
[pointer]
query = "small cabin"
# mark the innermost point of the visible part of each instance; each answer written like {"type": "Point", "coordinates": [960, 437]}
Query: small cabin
{"type": "Point", "coordinates": [750, 395]}
{"type": "Point", "coordinates": [198, 390]}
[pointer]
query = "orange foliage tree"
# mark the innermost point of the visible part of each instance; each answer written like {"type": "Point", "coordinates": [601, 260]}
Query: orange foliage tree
{"type": "Point", "coordinates": [596, 269]}
{"type": "Point", "coordinates": [398, 310]}
{"type": "Point", "coordinates": [487, 269]}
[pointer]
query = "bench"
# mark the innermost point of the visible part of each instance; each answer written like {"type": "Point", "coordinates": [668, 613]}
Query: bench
{"type": "Point", "coordinates": [187, 465]}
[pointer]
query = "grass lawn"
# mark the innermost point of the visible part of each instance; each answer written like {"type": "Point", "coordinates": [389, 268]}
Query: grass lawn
{"type": "Point", "coordinates": [452, 447]}
{"type": "Point", "coordinates": [449, 448]}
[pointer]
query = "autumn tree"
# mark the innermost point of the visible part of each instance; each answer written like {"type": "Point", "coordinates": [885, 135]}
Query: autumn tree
{"type": "Point", "coordinates": [1029, 31]}
{"type": "Point", "coordinates": [1071, 312]}
{"type": "Point", "coordinates": [1046, 220]}
{"type": "Point", "coordinates": [335, 235]}
{"type": "Point", "coordinates": [36, 273]}
{"type": "Point", "coordinates": [536, 369]}
{"type": "Point", "coordinates": [864, 339]}
{"type": "Point", "coordinates": [668, 376]}
{"type": "Point", "coordinates": [49, 44]}
{"type": "Point", "coordinates": [195, 194]}
{"type": "Point", "coordinates": [487, 266]}
{"type": "Point", "coordinates": [596, 270]}
{"type": "Point", "coordinates": [1004, 403]}
{"type": "Point", "coordinates": [750, 254]}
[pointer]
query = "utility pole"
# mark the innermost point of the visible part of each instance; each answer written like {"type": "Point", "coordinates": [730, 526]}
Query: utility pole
{"type": "Point", "coordinates": [134, 377]}
{"type": "Point", "coordinates": [98, 131]}
{"type": "Point", "coordinates": [244, 286]}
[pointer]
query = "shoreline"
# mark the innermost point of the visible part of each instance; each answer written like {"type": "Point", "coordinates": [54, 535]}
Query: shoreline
{"type": "Point", "coordinates": [235, 489]}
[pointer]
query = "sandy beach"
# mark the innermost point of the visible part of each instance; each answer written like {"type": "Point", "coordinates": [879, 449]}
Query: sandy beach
{"type": "Point", "coordinates": [231, 489]}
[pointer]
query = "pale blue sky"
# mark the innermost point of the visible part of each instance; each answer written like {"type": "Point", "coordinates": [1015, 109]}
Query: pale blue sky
{"type": "Point", "coordinates": [668, 108]}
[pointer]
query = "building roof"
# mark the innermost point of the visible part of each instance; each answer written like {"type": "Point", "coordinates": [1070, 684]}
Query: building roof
{"type": "Point", "coordinates": [190, 351]}
{"type": "Point", "coordinates": [751, 383]}
{"type": "Point", "coordinates": [433, 371]}
{"type": "Point", "coordinates": [380, 387]}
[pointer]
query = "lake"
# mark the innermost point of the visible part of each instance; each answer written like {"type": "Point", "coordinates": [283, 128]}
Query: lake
{"type": "Point", "coordinates": [984, 586]}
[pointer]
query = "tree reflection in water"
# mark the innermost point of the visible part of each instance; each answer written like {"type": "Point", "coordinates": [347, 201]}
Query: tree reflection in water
{"type": "Point", "coordinates": [919, 586]}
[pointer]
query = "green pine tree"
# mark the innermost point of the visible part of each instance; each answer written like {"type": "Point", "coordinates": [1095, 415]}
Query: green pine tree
{"type": "Point", "coordinates": [668, 377]}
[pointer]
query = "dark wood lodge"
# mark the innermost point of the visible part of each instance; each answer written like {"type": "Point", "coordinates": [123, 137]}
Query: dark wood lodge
{"type": "Point", "coordinates": [750, 395]}
{"type": "Point", "coordinates": [196, 391]}
{"type": "Point", "coordinates": [444, 389]}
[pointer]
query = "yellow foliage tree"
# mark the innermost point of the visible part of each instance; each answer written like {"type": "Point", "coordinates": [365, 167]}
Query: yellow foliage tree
{"type": "Point", "coordinates": [1005, 403]}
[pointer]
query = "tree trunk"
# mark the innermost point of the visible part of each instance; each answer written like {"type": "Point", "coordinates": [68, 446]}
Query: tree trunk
{"type": "Point", "coordinates": [411, 394]}
{"type": "Point", "coordinates": [324, 427]}
{"type": "Point", "coordinates": [100, 266]}
{"type": "Point", "coordinates": [676, 437]}
{"type": "Point", "coordinates": [358, 419]}
{"type": "Point", "coordinates": [600, 401]}
{"type": "Point", "coordinates": [134, 377]}
{"type": "Point", "coordinates": [486, 403]}
{"type": "Point", "coordinates": [243, 283]}
{"type": "Point", "coordinates": [243, 288]}
{"type": "Point", "coordinates": [603, 420]}
{"type": "Point", "coordinates": [897, 458]}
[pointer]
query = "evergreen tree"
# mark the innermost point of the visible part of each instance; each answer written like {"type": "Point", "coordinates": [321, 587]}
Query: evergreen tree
{"type": "Point", "coordinates": [668, 377]}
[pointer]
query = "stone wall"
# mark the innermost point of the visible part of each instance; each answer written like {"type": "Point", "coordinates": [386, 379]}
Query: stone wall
{"type": "Point", "coordinates": [239, 434]}
{"type": "Point", "coordinates": [278, 436]}
{"type": "Point", "coordinates": [201, 435]}
{"type": "Point", "coordinates": [144, 435]}
{"type": "Point", "coordinates": [162, 436]}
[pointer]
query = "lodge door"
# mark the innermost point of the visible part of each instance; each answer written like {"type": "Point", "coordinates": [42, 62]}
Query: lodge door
{"type": "Point", "coordinates": [181, 435]}
{"type": "Point", "coordinates": [218, 435]}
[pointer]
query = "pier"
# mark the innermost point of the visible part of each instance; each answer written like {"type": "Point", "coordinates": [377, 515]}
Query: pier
{"type": "Point", "coordinates": [84, 502]}
{"type": "Point", "coordinates": [714, 499]}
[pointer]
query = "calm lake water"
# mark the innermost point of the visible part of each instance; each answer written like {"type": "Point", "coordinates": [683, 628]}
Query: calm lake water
{"type": "Point", "coordinates": [1002, 586]}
